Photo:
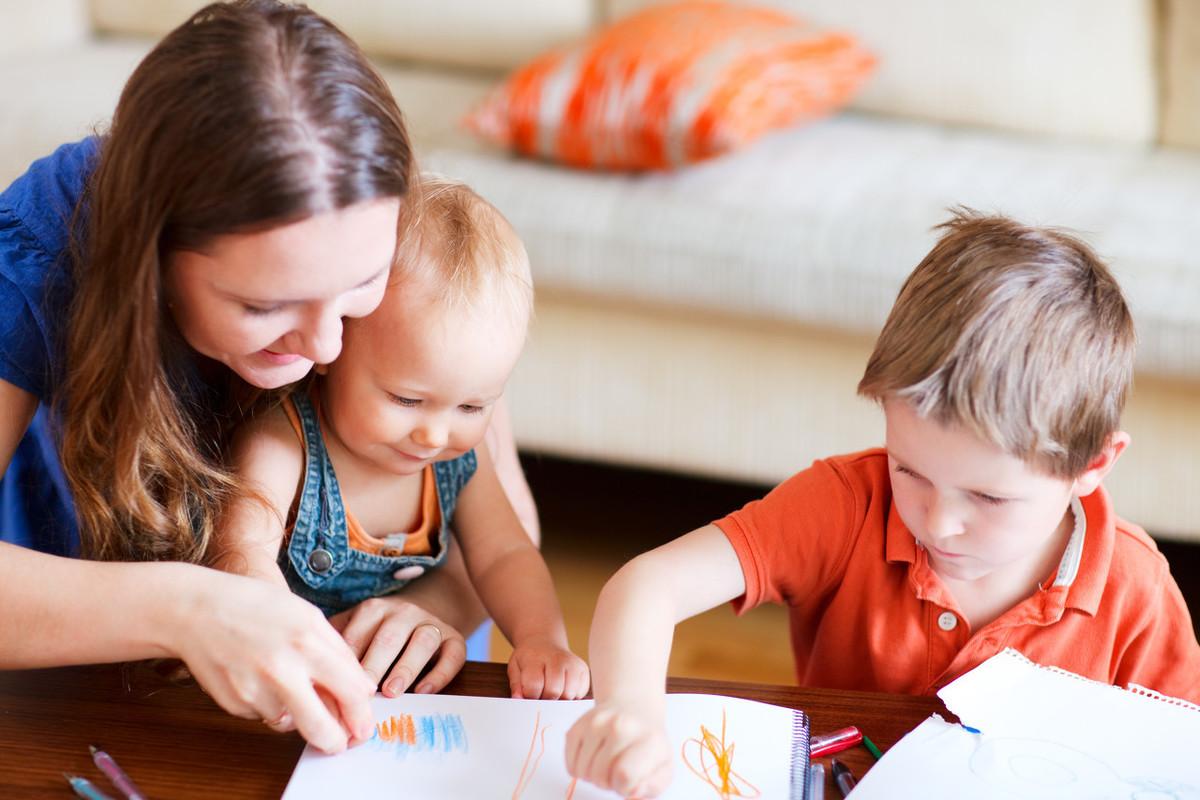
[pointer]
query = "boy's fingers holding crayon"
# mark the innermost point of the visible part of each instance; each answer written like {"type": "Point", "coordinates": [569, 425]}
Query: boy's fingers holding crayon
{"type": "Point", "coordinates": [643, 769]}
{"type": "Point", "coordinates": [620, 750]}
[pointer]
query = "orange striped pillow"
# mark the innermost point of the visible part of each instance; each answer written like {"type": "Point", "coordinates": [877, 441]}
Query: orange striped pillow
{"type": "Point", "coordinates": [671, 85]}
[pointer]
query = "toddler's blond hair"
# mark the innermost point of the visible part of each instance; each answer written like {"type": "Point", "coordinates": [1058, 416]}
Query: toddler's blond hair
{"type": "Point", "coordinates": [460, 245]}
{"type": "Point", "coordinates": [1019, 334]}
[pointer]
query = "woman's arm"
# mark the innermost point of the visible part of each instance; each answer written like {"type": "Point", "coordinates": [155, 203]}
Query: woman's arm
{"type": "Point", "coordinates": [256, 649]}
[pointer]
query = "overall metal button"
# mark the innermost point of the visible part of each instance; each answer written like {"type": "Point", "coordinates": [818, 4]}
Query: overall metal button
{"type": "Point", "coordinates": [321, 560]}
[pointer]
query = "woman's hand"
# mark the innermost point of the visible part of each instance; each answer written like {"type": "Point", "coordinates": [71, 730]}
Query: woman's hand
{"type": "Point", "coordinates": [379, 629]}
{"type": "Point", "coordinates": [263, 653]}
{"type": "Point", "coordinates": [622, 747]}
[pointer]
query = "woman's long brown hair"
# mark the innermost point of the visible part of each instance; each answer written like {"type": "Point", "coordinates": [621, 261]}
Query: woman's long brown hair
{"type": "Point", "coordinates": [250, 115]}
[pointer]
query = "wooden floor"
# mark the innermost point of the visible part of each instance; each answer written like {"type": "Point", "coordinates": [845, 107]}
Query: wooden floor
{"type": "Point", "coordinates": [595, 518]}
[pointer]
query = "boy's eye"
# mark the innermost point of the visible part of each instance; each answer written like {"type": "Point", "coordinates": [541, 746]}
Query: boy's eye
{"type": "Point", "coordinates": [991, 500]}
{"type": "Point", "coordinates": [469, 409]}
{"type": "Point", "coordinates": [407, 402]}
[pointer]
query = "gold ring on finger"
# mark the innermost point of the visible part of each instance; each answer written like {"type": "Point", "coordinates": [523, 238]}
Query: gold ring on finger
{"type": "Point", "coordinates": [271, 723]}
{"type": "Point", "coordinates": [436, 629]}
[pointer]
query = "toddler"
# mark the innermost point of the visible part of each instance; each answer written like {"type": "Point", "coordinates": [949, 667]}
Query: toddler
{"type": "Point", "coordinates": [981, 524]}
{"type": "Point", "coordinates": [359, 478]}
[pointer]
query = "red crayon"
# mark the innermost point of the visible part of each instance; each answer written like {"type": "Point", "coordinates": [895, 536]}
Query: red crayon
{"type": "Point", "coordinates": [834, 742]}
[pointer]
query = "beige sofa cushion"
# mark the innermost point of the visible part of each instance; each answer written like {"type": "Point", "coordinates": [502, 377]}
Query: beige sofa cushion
{"type": "Point", "coordinates": [1181, 78]}
{"type": "Point", "coordinates": [819, 226]}
{"type": "Point", "coordinates": [1067, 67]}
{"type": "Point", "coordinates": [492, 35]}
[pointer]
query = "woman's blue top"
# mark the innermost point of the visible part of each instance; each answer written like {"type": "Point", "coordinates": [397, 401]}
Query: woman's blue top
{"type": "Point", "coordinates": [36, 214]}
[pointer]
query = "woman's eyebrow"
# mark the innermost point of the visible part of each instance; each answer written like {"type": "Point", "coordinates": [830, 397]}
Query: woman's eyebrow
{"type": "Point", "coordinates": [292, 301]}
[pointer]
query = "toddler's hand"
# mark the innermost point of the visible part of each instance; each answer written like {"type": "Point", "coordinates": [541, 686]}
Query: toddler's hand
{"type": "Point", "coordinates": [623, 748]}
{"type": "Point", "coordinates": [541, 670]}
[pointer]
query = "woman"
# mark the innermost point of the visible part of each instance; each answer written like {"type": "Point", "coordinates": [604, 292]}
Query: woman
{"type": "Point", "coordinates": [156, 285]}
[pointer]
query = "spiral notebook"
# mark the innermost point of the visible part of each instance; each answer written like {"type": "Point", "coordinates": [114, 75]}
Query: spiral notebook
{"type": "Point", "coordinates": [1045, 734]}
{"type": "Point", "coordinates": [443, 746]}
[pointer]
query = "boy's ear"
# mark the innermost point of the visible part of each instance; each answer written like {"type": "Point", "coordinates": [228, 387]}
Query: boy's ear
{"type": "Point", "coordinates": [1102, 464]}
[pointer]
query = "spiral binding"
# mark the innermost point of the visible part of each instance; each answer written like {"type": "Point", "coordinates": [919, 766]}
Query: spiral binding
{"type": "Point", "coordinates": [800, 754]}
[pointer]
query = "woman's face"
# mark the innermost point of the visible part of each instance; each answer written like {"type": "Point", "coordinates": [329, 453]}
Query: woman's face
{"type": "Point", "coordinates": [270, 304]}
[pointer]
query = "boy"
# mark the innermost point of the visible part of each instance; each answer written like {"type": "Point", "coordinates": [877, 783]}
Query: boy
{"type": "Point", "coordinates": [1002, 371]}
{"type": "Point", "coordinates": [359, 479]}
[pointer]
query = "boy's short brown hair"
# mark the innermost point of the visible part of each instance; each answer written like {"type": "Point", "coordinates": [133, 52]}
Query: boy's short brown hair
{"type": "Point", "coordinates": [1017, 333]}
{"type": "Point", "coordinates": [462, 245]}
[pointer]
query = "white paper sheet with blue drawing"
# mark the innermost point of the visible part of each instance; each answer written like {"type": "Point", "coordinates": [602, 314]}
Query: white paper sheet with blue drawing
{"type": "Point", "coordinates": [442, 746]}
{"type": "Point", "coordinates": [1044, 735]}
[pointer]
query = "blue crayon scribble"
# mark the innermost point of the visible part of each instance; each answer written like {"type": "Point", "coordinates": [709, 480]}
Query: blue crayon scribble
{"type": "Point", "coordinates": [404, 734]}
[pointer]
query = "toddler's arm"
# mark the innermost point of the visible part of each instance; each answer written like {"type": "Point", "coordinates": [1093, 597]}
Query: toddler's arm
{"type": "Point", "coordinates": [621, 744]}
{"type": "Point", "coordinates": [512, 580]}
{"type": "Point", "coordinates": [268, 460]}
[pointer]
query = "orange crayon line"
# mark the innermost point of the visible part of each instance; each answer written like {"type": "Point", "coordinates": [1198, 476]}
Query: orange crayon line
{"type": "Point", "coordinates": [724, 783]}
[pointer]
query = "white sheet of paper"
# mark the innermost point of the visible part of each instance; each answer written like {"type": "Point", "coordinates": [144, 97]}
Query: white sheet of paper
{"type": "Point", "coordinates": [442, 746]}
{"type": "Point", "coordinates": [1044, 734]}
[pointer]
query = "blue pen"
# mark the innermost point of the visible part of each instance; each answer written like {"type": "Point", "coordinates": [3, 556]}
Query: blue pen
{"type": "Point", "coordinates": [85, 788]}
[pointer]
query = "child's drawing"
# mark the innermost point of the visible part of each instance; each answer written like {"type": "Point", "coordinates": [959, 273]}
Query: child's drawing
{"type": "Point", "coordinates": [537, 748]}
{"type": "Point", "coordinates": [437, 733]}
{"type": "Point", "coordinates": [437, 746]}
{"type": "Point", "coordinates": [1045, 770]}
{"type": "Point", "coordinates": [714, 764]}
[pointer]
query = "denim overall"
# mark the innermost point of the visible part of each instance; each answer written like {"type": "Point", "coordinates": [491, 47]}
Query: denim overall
{"type": "Point", "coordinates": [319, 563]}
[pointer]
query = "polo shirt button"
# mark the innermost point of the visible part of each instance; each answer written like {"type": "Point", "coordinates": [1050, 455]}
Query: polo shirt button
{"type": "Point", "coordinates": [321, 560]}
{"type": "Point", "coordinates": [947, 621]}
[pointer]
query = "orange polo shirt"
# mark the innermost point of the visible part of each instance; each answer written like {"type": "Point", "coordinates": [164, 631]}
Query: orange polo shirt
{"type": "Point", "coordinates": [867, 612]}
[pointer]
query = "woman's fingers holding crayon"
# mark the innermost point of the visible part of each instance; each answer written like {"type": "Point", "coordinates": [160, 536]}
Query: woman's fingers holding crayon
{"type": "Point", "coordinates": [258, 650]}
{"type": "Point", "coordinates": [311, 716]}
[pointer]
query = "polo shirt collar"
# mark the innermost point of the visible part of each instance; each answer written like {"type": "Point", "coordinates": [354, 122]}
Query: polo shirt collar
{"type": "Point", "coordinates": [1082, 571]}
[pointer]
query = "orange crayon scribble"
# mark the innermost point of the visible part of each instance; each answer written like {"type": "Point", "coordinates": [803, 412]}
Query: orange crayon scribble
{"type": "Point", "coordinates": [716, 765]}
{"type": "Point", "coordinates": [523, 780]}
{"type": "Point", "coordinates": [397, 729]}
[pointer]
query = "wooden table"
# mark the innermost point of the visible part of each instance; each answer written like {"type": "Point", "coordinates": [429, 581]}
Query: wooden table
{"type": "Point", "coordinates": [176, 743]}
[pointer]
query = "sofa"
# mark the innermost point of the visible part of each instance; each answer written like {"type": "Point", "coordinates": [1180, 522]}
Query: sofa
{"type": "Point", "coordinates": [715, 320]}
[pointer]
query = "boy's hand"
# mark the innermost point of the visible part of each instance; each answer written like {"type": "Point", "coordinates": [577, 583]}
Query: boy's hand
{"type": "Point", "coordinates": [542, 670]}
{"type": "Point", "coordinates": [623, 748]}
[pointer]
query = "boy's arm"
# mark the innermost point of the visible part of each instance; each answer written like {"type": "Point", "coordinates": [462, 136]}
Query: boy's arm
{"type": "Point", "coordinates": [621, 744]}
{"type": "Point", "coordinates": [512, 580]}
{"type": "Point", "coordinates": [269, 461]}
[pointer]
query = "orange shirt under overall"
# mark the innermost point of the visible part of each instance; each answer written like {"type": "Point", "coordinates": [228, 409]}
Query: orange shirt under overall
{"type": "Point", "coordinates": [867, 612]}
